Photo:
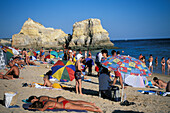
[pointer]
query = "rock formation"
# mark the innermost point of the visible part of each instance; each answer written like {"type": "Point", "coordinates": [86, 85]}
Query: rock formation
{"type": "Point", "coordinates": [35, 35]}
{"type": "Point", "coordinates": [87, 33]}
{"type": "Point", "coordinates": [90, 33]}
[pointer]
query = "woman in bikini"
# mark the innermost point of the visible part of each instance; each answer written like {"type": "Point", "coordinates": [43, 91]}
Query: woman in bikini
{"type": "Point", "coordinates": [32, 99]}
{"type": "Point", "coordinates": [61, 105]}
{"type": "Point", "coordinates": [163, 64]}
{"type": "Point", "coordinates": [25, 56]}
{"type": "Point", "coordinates": [168, 63]}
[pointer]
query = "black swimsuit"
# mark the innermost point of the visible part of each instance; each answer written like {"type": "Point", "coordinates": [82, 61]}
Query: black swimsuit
{"type": "Point", "coordinates": [58, 98]}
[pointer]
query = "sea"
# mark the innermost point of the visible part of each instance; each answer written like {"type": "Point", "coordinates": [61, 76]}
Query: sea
{"type": "Point", "coordinates": [157, 47]}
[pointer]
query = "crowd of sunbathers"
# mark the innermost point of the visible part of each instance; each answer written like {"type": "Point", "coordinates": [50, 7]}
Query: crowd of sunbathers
{"type": "Point", "coordinates": [42, 103]}
{"type": "Point", "coordinates": [16, 62]}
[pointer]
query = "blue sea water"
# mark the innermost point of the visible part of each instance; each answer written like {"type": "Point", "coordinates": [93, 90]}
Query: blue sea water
{"type": "Point", "coordinates": [157, 47]}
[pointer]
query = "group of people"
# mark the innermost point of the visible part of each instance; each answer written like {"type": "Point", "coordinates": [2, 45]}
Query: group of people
{"type": "Point", "coordinates": [81, 62]}
{"type": "Point", "coordinates": [163, 63]}
{"type": "Point", "coordinates": [12, 65]}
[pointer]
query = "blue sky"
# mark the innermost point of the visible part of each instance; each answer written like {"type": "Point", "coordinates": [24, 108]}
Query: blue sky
{"type": "Point", "coordinates": [123, 19]}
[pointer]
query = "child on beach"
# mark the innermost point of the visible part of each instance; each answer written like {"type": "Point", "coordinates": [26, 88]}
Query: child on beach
{"type": "Point", "coordinates": [78, 73]}
{"type": "Point", "coordinates": [48, 83]}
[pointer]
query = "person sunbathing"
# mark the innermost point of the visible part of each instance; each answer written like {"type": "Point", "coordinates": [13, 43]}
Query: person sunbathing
{"type": "Point", "coordinates": [66, 104]}
{"type": "Point", "coordinates": [33, 99]}
{"type": "Point", "coordinates": [162, 84]}
{"type": "Point", "coordinates": [11, 73]}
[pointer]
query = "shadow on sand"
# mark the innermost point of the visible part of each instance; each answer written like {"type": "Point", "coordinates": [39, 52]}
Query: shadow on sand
{"type": "Point", "coordinates": [121, 111]}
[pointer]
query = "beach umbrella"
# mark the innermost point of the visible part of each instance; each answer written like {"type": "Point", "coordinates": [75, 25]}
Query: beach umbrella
{"type": "Point", "coordinates": [9, 54]}
{"type": "Point", "coordinates": [60, 54]}
{"type": "Point", "coordinates": [63, 70]}
{"type": "Point", "coordinates": [54, 53]}
{"type": "Point", "coordinates": [127, 65]}
{"type": "Point", "coordinates": [50, 56]}
{"type": "Point", "coordinates": [38, 52]}
{"type": "Point", "coordinates": [14, 51]}
{"type": "Point", "coordinates": [31, 53]}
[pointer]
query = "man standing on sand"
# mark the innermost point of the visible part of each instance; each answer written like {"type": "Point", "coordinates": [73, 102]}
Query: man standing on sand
{"type": "Point", "coordinates": [150, 63]}
{"type": "Point", "coordinates": [117, 73]}
{"type": "Point", "coordinates": [162, 84]}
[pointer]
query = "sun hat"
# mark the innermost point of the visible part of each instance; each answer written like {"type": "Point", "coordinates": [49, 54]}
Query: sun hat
{"type": "Point", "coordinates": [70, 51]}
{"type": "Point", "coordinates": [79, 56]}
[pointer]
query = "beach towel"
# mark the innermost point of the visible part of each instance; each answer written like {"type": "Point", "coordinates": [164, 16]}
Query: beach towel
{"type": "Point", "coordinates": [55, 87]}
{"type": "Point", "coordinates": [34, 65]}
{"type": "Point", "coordinates": [26, 106]}
{"type": "Point", "coordinates": [155, 92]}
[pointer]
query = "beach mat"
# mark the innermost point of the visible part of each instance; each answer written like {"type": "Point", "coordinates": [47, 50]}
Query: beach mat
{"type": "Point", "coordinates": [33, 65]}
{"type": "Point", "coordinates": [26, 106]}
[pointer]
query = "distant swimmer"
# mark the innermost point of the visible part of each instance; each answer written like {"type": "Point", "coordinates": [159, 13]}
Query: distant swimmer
{"type": "Point", "coordinates": [168, 63]}
{"type": "Point", "coordinates": [150, 63]}
{"type": "Point", "coordinates": [163, 65]}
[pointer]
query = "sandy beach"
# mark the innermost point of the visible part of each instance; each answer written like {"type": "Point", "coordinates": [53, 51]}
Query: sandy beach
{"type": "Point", "coordinates": [144, 103]}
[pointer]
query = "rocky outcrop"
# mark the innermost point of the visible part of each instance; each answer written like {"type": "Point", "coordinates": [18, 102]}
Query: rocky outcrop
{"type": "Point", "coordinates": [86, 34]}
{"type": "Point", "coordinates": [5, 42]}
{"type": "Point", "coordinates": [90, 33]}
{"type": "Point", "coordinates": [35, 35]}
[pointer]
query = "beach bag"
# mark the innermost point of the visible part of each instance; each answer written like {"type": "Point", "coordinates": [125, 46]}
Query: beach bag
{"type": "Point", "coordinates": [10, 99]}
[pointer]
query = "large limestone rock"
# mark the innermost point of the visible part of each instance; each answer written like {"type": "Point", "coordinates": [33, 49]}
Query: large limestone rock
{"type": "Point", "coordinates": [35, 35]}
{"type": "Point", "coordinates": [90, 33]}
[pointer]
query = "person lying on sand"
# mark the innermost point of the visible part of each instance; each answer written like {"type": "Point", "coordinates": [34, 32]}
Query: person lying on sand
{"type": "Point", "coordinates": [12, 73]}
{"type": "Point", "coordinates": [65, 104]}
{"type": "Point", "coordinates": [162, 84]}
{"type": "Point", "coordinates": [151, 84]}
{"type": "Point", "coordinates": [32, 99]}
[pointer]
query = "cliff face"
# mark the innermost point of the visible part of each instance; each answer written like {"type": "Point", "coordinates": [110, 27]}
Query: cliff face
{"type": "Point", "coordinates": [35, 35]}
{"type": "Point", "coordinates": [90, 33]}
{"type": "Point", "coordinates": [85, 33]}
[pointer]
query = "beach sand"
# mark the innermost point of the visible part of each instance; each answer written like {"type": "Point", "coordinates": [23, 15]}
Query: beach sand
{"type": "Point", "coordinates": [144, 103]}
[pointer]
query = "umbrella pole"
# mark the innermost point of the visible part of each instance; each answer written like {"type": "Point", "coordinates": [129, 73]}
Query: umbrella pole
{"type": "Point", "coordinates": [123, 88]}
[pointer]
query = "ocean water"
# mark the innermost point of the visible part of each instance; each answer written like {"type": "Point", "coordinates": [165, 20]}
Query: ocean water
{"type": "Point", "coordinates": [157, 47]}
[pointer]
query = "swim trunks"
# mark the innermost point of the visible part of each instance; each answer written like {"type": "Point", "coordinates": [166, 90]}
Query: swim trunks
{"type": "Point", "coordinates": [117, 73]}
{"type": "Point", "coordinates": [77, 75]}
{"type": "Point", "coordinates": [150, 63]}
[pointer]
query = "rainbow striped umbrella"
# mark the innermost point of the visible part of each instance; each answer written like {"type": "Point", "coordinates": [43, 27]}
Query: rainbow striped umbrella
{"type": "Point", "coordinates": [54, 53]}
{"type": "Point", "coordinates": [50, 56]}
{"type": "Point", "coordinates": [127, 65]}
{"type": "Point", "coordinates": [63, 70]}
{"type": "Point", "coordinates": [9, 54]}
{"type": "Point", "coordinates": [31, 53]}
{"type": "Point", "coordinates": [61, 54]}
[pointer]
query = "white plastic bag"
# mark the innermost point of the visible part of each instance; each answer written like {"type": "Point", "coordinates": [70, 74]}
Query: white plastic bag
{"type": "Point", "coordinates": [8, 99]}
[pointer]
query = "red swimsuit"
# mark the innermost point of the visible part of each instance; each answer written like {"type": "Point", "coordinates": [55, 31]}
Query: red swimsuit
{"type": "Point", "coordinates": [64, 103]}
